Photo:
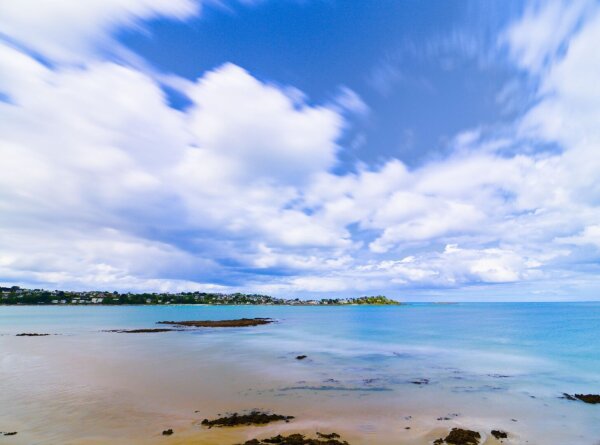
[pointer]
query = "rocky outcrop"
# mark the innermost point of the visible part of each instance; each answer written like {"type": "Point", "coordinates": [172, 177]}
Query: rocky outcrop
{"type": "Point", "coordinates": [242, 322]}
{"type": "Point", "coordinates": [458, 436]}
{"type": "Point", "coordinates": [31, 334]}
{"type": "Point", "coordinates": [587, 398]}
{"type": "Point", "coordinates": [253, 418]}
{"type": "Point", "coordinates": [299, 439]}
{"type": "Point", "coordinates": [499, 434]}
{"type": "Point", "coordinates": [140, 331]}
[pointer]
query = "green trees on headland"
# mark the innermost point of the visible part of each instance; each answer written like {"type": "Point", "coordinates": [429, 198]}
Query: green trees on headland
{"type": "Point", "coordinates": [16, 295]}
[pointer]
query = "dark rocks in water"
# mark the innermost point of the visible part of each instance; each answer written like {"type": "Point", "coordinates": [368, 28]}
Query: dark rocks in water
{"type": "Point", "coordinates": [499, 434]}
{"type": "Point", "coordinates": [30, 334]}
{"type": "Point", "coordinates": [299, 439]}
{"type": "Point", "coordinates": [140, 331]}
{"type": "Point", "coordinates": [252, 418]}
{"type": "Point", "coordinates": [337, 388]}
{"type": "Point", "coordinates": [12, 433]}
{"type": "Point", "coordinates": [167, 432]}
{"type": "Point", "coordinates": [328, 436]}
{"type": "Point", "coordinates": [458, 436]}
{"type": "Point", "coordinates": [242, 322]}
{"type": "Point", "coordinates": [420, 382]}
{"type": "Point", "coordinates": [587, 398]}
{"type": "Point", "coordinates": [301, 357]}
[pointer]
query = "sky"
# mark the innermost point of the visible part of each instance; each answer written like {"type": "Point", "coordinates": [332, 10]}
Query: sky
{"type": "Point", "coordinates": [424, 150]}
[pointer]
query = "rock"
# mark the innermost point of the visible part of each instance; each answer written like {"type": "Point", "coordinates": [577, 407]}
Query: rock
{"type": "Point", "coordinates": [31, 334]}
{"type": "Point", "coordinates": [242, 322]}
{"type": "Point", "coordinates": [140, 331]}
{"type": "Point", "coordinates": [587, 398]}
{"type": "Point", "coordinates": [167, 432]}
{"type": "Point", "coordinates": [420, 382]}
{"type": "Point", "coordinates": [458, 436]}
{"type": "Point", "coordinates": [299, 439]}
{"type": "Point", "coordinates": [328, 436]}
{"type": "Point", "coordinates": [499, 434]}
{"type": "Point", "coordinates": [300, 357]}
{"type": "Point", "coordinates": [253, 418]}
{"type": "Point", "coordinates": [12, 433]}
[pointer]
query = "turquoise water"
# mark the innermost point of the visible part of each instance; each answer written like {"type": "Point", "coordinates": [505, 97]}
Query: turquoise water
{"type": "Point", "coordinates": [501, 363]}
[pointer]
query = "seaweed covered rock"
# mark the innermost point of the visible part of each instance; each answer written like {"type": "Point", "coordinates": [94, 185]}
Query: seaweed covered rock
{"type": "Point", "coordinates": [458, 436]}
{"type": "Point", "coordinates": [499, 434]}
{"type": "Point", "coordinates": [31, 334]}
{"type": "Point", "coordinates": [328, 436]}
{"type": "Point", "coordinates": [299, 439]}
{"type": "Point", "coordinates": [252, 418]}
{"type": "Point", "coordinates": [140, 331]}
{"type": "Point", "coordinates": [241, 322]}
{"type": "Point", "coordinates": [587, 398]}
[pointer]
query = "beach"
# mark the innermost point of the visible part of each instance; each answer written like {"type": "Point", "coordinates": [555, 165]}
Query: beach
{"type": "Point", "coordinates": [374, 375]}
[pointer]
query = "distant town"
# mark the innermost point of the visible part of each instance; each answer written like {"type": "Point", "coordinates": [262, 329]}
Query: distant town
{"type": "Point", "coordinates": [16, 295]}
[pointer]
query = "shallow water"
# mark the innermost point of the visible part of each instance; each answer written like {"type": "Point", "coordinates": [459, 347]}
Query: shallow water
{"type": "Point", "coordinates": [481, 366]}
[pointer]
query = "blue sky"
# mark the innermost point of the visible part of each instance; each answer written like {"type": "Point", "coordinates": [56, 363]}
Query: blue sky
{"type": "Point", "coordinates": [411, 62]}
{"type": "Point", "coordinates": [424, 150]}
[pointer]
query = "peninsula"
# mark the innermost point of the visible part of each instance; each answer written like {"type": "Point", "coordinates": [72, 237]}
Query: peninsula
{"type": "Point", "coordinates": [16, 295]}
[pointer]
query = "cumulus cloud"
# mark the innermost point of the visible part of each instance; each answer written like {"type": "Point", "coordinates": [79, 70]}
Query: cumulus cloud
{"type": "Point", "coordinates": [106, 185]}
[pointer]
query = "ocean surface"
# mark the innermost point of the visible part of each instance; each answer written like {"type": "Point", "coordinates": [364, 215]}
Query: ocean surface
{"type": "Point", "coordinates": [379, 375]}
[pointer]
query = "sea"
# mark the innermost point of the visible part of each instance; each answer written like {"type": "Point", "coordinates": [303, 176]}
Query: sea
{"type": "Point", "coordinates": [374, 374]}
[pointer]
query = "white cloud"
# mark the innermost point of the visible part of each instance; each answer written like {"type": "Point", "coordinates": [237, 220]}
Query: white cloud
{"type": "Point", "coordinates": [105, 185]}
{"type": "Point", "coordinates": [536, 39]}
{"type": "Point", "coordinates": [590, 235]}
{"type": "Point", "coordinates": [348, 100]}
{"type": "Point", "coordinates": [69, 30]}
{"type": "Point", "coordinates": [270, 135]}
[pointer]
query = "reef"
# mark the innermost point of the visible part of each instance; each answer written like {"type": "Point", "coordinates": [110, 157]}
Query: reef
{"type": "Point", "coordinates": [587, 398]}
{"type": "Point", "coordinates": [253, 418]}
{"type": "Point", "coordinates": [299, 439]}
{"type": "Point", "coordinates": [242, 322]}
{"type": "Point", "coordinates": [458, 436]}
{"type": "Point", "coordinates": [31, 334]}
{"type": "Point", "coordinates": [140, 331]}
